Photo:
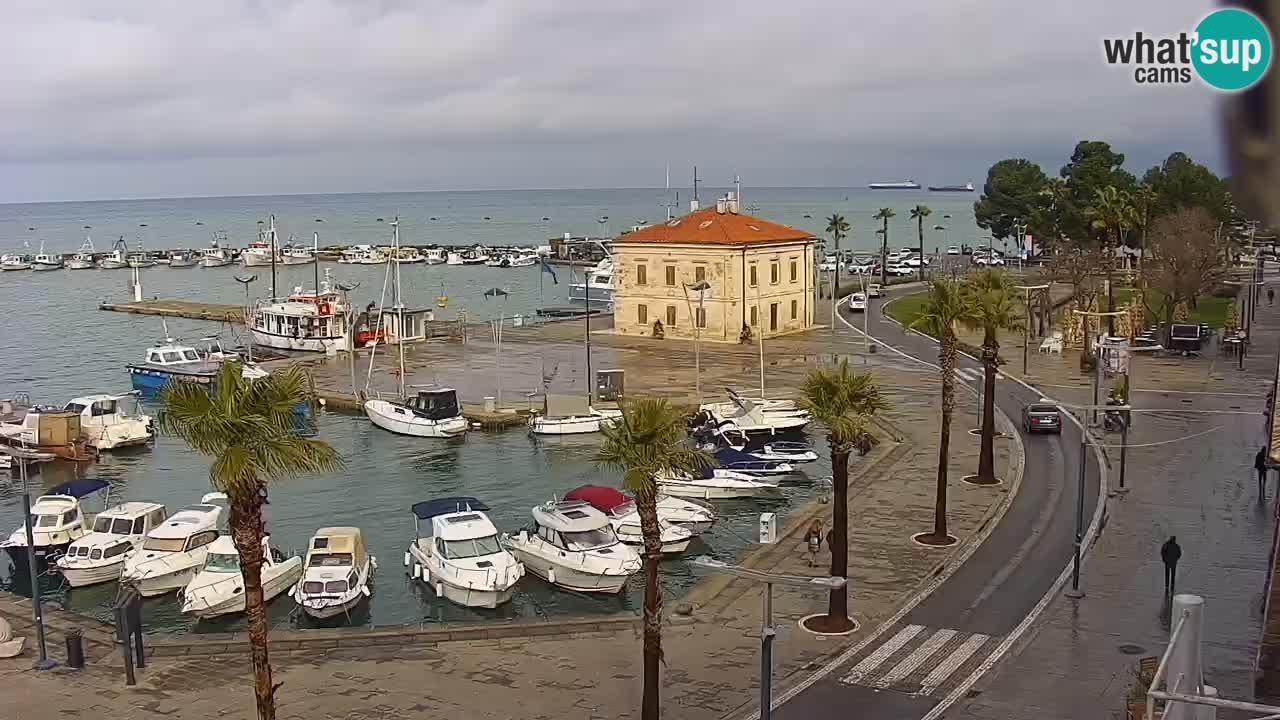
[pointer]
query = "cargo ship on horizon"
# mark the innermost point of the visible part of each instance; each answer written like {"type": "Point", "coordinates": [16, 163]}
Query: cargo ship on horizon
{"type": "Point", "coordinates": [967, 187]}
{"type": "Point", "coordinates": [906, 185]}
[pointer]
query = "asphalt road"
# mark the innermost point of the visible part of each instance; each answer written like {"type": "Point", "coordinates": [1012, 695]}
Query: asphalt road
{"type": "Point", "coordinates": [906, 671]}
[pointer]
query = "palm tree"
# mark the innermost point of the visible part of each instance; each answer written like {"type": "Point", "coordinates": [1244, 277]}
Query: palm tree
{"type": "Point", "coordinates": [994, 305]}
{"type": "Point", "coordinates": [884, 215]}
{"type": "Point", "coordinates": [246, 426]}
{"type": "Point", "coordinates": [944, 307]}
{"type": "Point", "coordinates": [1111, 213]}
{"type": "Point", "coordinates": [648, 441]}
{"type": "Point", "coordinates": [844, 402]}
{"type": "Point", "coordinates": [919, 213]}
{"type": "Point", "coordinates": [837, 227]}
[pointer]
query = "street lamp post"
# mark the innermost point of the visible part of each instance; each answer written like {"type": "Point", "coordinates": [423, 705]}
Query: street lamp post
{"type": "Point", "coordinates": [37, 614]}
{"type": "Point", "coordinates": [767, 629]}
{"type": "Point", "coordinates": [1026, 329]}
{"type": "Point", "coordinates": [701, 287]}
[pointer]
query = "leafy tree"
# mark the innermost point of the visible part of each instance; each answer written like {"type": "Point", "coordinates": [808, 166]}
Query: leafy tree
{"type": "Point", "coordinates": [247, 426]}
{"type": "Point", "coordinates": [1015, 188]}
{"type": "Point", "coordinates": [884, 215]}
{"type": "Point", "coordinates": [1093, 166]}
{"type": "Point", "coordinates": [919, 213]}
{"type": "Point", "coordinates": [1180, 182]}
{"type": "Point", "coordinates": [1111, 213]}
{"type": "Point", "coordinates": [844, 403]}
{"type": "Point", "coordinates": [838, 228]}
{"type": "Point", "coordinates": [649, 440]}
{"type": "Point", "coordinates": [994, 305]}
{"type": "Point", "coordinates": [945, 306]}
{"type": "Point", "coordinates": [1075, 264]}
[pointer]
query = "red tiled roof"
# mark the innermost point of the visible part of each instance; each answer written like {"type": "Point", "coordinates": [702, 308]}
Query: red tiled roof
{"type": "Point", "coordinates": [708, 227]}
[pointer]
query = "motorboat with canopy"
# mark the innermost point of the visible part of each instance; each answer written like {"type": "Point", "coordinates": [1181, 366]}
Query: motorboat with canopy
{"type": "Point", "coordinates": [573, 545]}
{"type": "Point", "coordinates": [218, 588]}
{"type": "Point", "coordinates": [460, 556]}
{"type": "Point", "coordinates": [119, 530]}
{"type": "Point", "coordinates": [337, 573]}
{"type": "Point", "coordinates": [57, 519]}
{"type": "Point", "coordinates": [172, 553]}
{"type": "Point", "coordinates": [625, 518]}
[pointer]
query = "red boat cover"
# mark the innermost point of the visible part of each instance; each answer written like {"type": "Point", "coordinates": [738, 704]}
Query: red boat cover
{"type": "Point", "coordinates": [602, 498]}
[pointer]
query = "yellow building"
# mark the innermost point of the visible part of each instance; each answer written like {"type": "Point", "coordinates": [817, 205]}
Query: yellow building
{"type": "Point", "coordinates": [760, 274]}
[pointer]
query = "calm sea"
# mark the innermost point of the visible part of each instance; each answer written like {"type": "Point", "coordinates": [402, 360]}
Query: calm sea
{"type": "Point", "coordinates": [58, 345]}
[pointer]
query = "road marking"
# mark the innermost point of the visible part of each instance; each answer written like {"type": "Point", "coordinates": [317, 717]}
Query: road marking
{"type": "Point", "coordinates": [915, 659]}
{"type": "Point", "coordinates": [947, 667]}
{"type": "Point", "coordinates": [882, 653]}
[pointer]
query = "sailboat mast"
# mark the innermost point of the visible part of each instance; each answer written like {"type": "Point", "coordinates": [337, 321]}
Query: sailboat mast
{"type": "Point", "coordinates": [395, 225]}
{"type": "Point", "coordinates": [272, 250]}
{"type": "Point", "coordinates": [315, 260]}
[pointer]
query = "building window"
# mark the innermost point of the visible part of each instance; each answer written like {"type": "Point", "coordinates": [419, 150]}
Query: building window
{"type": "Point", "coordinates": [671, 316]}
{"type": "Point", "coordinates": [794, 273]}
{"type": "Point", "coordinates": [775, 273]}
{"type": "Point", "coordinates": [642, 314]}
{"type": "Point", "coordinates": [699, 274]}
{"type": "Point", "coordinates": [642, 275]}
{"type": "Point", "coordinates": [753, 316]}
{"type": "Point", "coordinates": [752, 283]}
{"type": "Point", "coordinates": [795, 308]}
{"type": "Point", "coordinates": [671, 276]}
{"type": "Point", "coordinates": [700, 316]}
{"type": "Point", "coordinates": [773, 316]}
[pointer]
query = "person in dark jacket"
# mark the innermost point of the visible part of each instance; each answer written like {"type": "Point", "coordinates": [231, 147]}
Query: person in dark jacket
{"type": "Point", "coordinates": [1260, 464]}
{"type": "Point", "coordinates": [1170, 553]}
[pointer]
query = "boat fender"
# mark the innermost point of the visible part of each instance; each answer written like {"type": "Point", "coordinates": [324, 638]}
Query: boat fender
{"type": "Point", "coordinates": [551, 575]}
{"type": "Point", "coordinates": [406, 558]}
{"type": "Point", "coordinates": [439, 589]}
{"type": "Point", "coordinates": [364, 590]}
{"type": "Point", "coordinates": [417, 571]}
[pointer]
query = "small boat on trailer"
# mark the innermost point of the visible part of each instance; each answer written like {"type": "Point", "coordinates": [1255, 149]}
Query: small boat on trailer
{"type": "Point", "coordinates": [337, 574]}
{"type": "Point", "coordinates": [461, 557]}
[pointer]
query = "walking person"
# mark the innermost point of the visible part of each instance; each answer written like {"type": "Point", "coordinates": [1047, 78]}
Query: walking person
{"type": "Point", "coordinates": [813, 539]}
{"type": "Point", "coordinates": [1170, 553]}
{"type": "Point", "coordinates": [1271, 296]}
{"type": "Point", "coordinates": [1260, 465]}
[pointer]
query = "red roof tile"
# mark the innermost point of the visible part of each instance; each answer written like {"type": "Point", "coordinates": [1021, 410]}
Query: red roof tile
{"type": "Point", "coordinates": [708, 227]}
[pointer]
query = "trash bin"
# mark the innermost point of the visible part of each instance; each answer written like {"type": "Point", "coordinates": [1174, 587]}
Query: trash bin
{"type": "Point", "coordinates": [75, 649]}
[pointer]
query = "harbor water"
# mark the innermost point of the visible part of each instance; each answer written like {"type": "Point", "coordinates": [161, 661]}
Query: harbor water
{"type": "Point", "coordinates": [59, 345]}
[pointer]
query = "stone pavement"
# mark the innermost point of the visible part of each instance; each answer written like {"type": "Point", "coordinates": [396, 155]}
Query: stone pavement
{"type": "Point", "coordinates": [1189, 474]}
{"type": "Point", "coordinates": [711, 654]}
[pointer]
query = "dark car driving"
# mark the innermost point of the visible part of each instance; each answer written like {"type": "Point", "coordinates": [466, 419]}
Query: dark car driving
{"type": "Point", "coordinates": [1041, 417]}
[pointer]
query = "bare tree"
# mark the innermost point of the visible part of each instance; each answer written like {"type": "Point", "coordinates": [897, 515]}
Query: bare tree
{"type": "Point", "coordinates": [1188, 258]}
{"type": "Point", "coordinates": [1077, 264]}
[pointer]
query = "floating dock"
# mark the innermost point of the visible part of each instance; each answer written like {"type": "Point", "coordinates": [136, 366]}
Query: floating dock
{"type": "Point", "coordinates": [217, 312]}
{"type": "Point", "coordinates": [500, 419]}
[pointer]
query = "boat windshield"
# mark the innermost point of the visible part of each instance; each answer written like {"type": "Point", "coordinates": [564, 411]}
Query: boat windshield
{"type": "Point", "coordinates": [222, 563]}
{"type": "Point", "coordinates": [45, 521]}
{"type": "Point", "coordinates": [459, 549]}
{"type": "Point", "coordinates": [164, 544]}
{"type": "Point", "coordinates": [114, 526]}
{"type": "Point", "coordinates": [590, 539]}
{"type": "Point", "coordinates": [330, 559]}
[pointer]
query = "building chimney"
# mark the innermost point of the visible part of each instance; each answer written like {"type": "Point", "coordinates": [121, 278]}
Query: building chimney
{"type": "Point", "coordinates": [693, 205]}
{"type": "Point", "coordinates": [731, 202]}
{"type": "Point", "coordinates": [722, 206]}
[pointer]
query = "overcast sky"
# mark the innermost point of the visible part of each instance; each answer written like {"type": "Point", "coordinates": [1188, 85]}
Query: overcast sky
{"type": "Point", "coordinates": [224, 97]}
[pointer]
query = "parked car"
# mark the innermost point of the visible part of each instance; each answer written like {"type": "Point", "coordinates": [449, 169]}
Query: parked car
{"type": "Point", "coordinates": [864, 267]}
{"type": "Point", "coordinates": [874, 290]}
{"type": "Point", "coordinates": [857, 302]}
{"type": "Point", "coordinates": [953, 250]}
{"type": "Point", "coordinates": [1041, 416]}
{"type": "Point", "coordinates": [900, 270]}
{"type": "Point", "coordinates": [914, 261]}
{"type": "Point", "coordinates": [828, 264]}
{"type": "Point", "coordinates": [988, 260]}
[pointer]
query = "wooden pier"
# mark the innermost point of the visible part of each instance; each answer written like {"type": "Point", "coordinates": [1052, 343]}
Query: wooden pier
{"type": "Point", "coordinates": [476, 415]}
{"type": "Point", "coordinates": [217, 312]}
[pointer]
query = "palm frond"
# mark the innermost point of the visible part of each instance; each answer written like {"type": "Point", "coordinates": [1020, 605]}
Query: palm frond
{"type": "Point", "coordinates": [843, 401]}
{"type": "Point", "coordinates": [649, 440]}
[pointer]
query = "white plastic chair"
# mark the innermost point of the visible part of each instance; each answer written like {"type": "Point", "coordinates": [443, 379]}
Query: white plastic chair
{"type": "Point", "coordinates": [1053, 343]}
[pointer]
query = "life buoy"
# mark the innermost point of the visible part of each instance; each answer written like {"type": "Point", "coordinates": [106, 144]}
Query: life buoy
{"type": "Point", "coordinates": [325, 309]}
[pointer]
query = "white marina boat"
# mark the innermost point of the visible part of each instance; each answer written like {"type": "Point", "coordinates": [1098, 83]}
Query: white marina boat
{"type": "Point", "coordinates": [523, 257]}
{"type": "Point", "coordinates": [784, 451]}
{"type": "Point", "coordinates": [460, 558]}
{"type": "Point", "coordinates": [598, 285]}
{"type": "Point", "coordinates": [46, 261]}
{"type": "Point", "coordinates": [500, 260]}
{"type": "Point", "coordinates": [258, 254]}
{"type": "Point", "coordinates": [118, 257]}
{"type": "Point", "coordinates": [307, 322]}
{"type": "Point", "coordinates": [83, 259]}
{"type": "Point", "coordinates": [432, 413]}
{"type": "Point", "coordinates": [172, 553]}
{"type": "Point", "coordinates": [570, 415]}
{"type": "Point", "coordinates": [574, 545]}
{"type": "Point", "coordinates": [140, 260]}
{"type": "Point", "coordinates": [434, 256]}
{"type": "Point", "coordinates": [409, 256]}
{"type": "Point", "coordinates": [99, 556]}
{"type": "Point", "coordinates": [477, 255]}
{"type": "Point", "coordinates": [743, 462]}
{"type": "Point", "coordinates": [337, 574]}
{"type": "Point", "coordinates": [106, 425]}
{"type": "Point", "coordinates": [217, 254]}
{"type": "Point", "coordinates": [14, 261]}
{"type": "Point", "coordinates": [57, 519]}
{"type": "Point", "coordinates": [361, 255]}
{"type": "Point", "coordinates": [622, 513]}
{"type": "Point", "coordinates": [293, 254]}
{"type": "Point", "coordinates": [752, 419]}
{"type": "Point", "coordinates": [218, 588]}
{"type": "Point", "coordinates": [718, 484]}
{"type": "Point", "coordinates": [183, 259]}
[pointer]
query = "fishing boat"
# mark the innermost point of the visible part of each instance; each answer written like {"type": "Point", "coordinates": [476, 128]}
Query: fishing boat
{"type": "Point", "coordinates": [217, 254]}
{"type": "Point", "coordinates": [46, 261]}
{"type": "Point", "coordinates": [622, 513]}
{"type": "Point", "coordinates": [259, 253]}
{"type": "Point", "coordinates": [434, 256]}
{"type": "Point", "coordinates": [598, 286]}
{"type": "Point", "coordinates": [218, 588]}
{"type": "Point", "coordinates": [173, 552]}
{"type": "Point", "coordinates": [477, 255]}
{"type": "Point", "coordinates": [461, 558]}
{"type": "Point", "coordinates": [99, 556]}
{"type": "Point", "coordinates": [117, 258]}
{"type": "Point", "coordinates": [337, 573]}
{"type": "Point", "coordinates": [523, 257]}
{"type": "Point", "coordinates": [718, 484]}
{"type": "Point", "coordinates": [140, 259]}
{"type": "Point", "coordinates": [183, 259]}
{"type": "Point", "coordinates": [570, 415]}
{"type": "Point", "coordinates": [751, 419]}
{"type": "Point", "coordinates": [408, 256]}
{"type": "Point", "coordinates": [105, 424]}
{"type": "Point", "coordinates": [306, 322]}
{"type": "Point", "coordinates": [57, 519]}
{"type": "Point", "coordinates": [361, 255]}
{"type": "Point", "coordinates": [171, 361]}
{"type": "Point", "coordinates": [15, 261]}
{"type": "Point", "coordinates": [294, 254]}
{"type": "Point", "coordinates": [83, 259]}
{"type": "Point", "coordinates": [573, 545]}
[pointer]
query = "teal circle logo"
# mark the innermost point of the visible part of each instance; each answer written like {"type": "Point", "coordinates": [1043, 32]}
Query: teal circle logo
{"type": "Point", "coordinates": [1232, 49]}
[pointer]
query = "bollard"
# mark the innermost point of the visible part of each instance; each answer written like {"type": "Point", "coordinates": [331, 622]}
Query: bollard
{"type": "Point", "coordinates": [126, 647]}
{"type": "Point", "coordinates": [75, 649]}
{"type": "Point", "coordinates": [133, 609]}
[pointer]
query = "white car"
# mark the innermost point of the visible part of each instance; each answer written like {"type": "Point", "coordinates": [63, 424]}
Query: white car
{"type": "Point", "coordinates": [857, 302]}
{"type": "Point", "coordinates": [828, 264]}
{"type": "Point", "coordinates": [953, 250]}
{"type": "Point", "coordinates": [900, 270]}
{"type": "Point", "coordinates": [988, 260]}
{"type": "Point", "coordinates": [862, 267]}
{"type": "Point", "coordinates": [914, 261]}
{"type": "Point", "coordinates": [874, 290]}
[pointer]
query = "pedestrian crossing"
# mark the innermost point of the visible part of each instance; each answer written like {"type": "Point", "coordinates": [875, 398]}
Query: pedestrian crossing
{"type": "Point", "coordinates": [920, 660]}
{"type": "Point", "coordinates": [974, 374]}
